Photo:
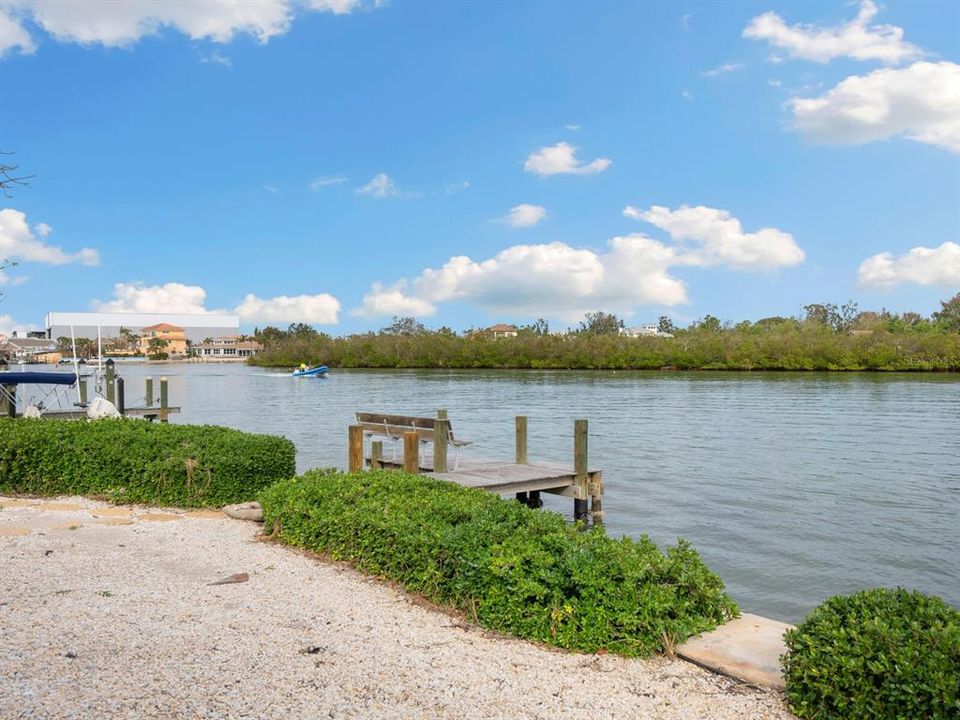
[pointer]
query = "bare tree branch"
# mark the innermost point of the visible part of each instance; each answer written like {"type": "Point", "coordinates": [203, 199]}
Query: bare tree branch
{"type": "Point", "coordinates": [9, 178]}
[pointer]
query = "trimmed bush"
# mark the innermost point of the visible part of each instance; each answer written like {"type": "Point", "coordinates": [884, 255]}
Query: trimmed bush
{"type": "Point", "coordinates": [876, 654]}
{"type": "Point", "coordinates": [140, 462]}
{"type": "Point", "coordinates": [514, 570]}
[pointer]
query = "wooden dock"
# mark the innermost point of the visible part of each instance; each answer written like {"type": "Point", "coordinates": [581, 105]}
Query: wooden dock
{"type": "Point", "coordinates": [150, 413]}
{"type": "Point", "coordinates": [522, 478]}
{"type": "Point", "coordinates": [505, 478]}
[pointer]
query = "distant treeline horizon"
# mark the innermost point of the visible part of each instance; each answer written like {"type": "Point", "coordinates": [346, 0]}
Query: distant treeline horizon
{"type": "Point", "coordinates": [825, 337]}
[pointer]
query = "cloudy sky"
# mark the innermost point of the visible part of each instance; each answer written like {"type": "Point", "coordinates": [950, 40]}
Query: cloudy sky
{"type": "Point", "coordinates": [338, 162]}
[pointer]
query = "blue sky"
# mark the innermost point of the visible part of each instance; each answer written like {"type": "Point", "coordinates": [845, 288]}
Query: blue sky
{"type": "Point", "coordinates": [469, 163]}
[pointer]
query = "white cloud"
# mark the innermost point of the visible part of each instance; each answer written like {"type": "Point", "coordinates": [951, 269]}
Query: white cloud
{"type": "Point", "coordinates": [454, 188]}
{"type": "Point", "coordinates": [724, 69]}
{"type": "Point", "coordinates": [321, 309]}
{"type": "Point", "coordinates": [687, 95]}
{"type": "Point", "coordinates": [560, 281]}
{"type": "Point", "coordinates": [922, 265]}
{"type": "Point", "coordinates": [8, 325]}
{"type": "Point", "coordinates": [272, 189]}
{"type": "Point", "coordinates": [552, 279]}
{"type": "Point", "coordinates": [319, 183]}
{"type": "Point", "coordinates": [714, 237]}
{"type": "Point", "coordinates": [13, 36]}
{"type": "Point", "coordinates": [19, 242]}
{"type": "Point", "coordinates": [524, 215]}
{"type": "Point", "coordinates": [388, 301]}
{"type": "Point", "coordinates": [176, 297]}
{"type": "Point", "coordinates": [574, 128]}
{"type": "Point", "coordinates": [856, 39]}
{"type": "Point", "coordinates": [381, 186]}
{"type": "Point", "coordinates": [217, 58]}
{"type": "Point", "coordinates": [117, 24]}
{"type": "Point", "coordinates": [920, 102]}
{"type": "Point", "coordinates": [171, 297]}
{"type": "Point", "coordinates": [561, 159]}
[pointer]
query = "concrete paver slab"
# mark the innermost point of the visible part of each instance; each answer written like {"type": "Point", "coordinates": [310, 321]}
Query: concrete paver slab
{"type": "Point", "coordinates": [748, 648]}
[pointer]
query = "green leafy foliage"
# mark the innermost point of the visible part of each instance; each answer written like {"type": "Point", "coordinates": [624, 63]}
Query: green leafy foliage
{"type": "Point", "coordinates": [140, 462]}
{"type": "Point", "coordinates": [516, 570]}
{"type": "Point", "coordinates": [874, 342]}
{"type": "Point", "coordinates": [875, 655]}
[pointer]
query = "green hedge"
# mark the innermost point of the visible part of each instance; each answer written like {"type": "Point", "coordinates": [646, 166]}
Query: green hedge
{"type": "Point", "coordinates": [140, 462]}
{"type": "Point", "coordinates": [514, 570]}
{"type": "Point", "coordinates": [878, 654]}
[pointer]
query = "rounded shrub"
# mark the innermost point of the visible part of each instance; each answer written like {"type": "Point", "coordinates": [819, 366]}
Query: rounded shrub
{"type": "Point", "coordinates": [876, 654]}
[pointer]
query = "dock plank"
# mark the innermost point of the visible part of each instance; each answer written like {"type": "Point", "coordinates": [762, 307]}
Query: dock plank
{"type": "Point", "coordinates": [504, 477]}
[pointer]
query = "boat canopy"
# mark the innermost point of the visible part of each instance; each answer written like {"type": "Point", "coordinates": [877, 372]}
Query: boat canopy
{"type": "Point", "coordinates": [37, 378]}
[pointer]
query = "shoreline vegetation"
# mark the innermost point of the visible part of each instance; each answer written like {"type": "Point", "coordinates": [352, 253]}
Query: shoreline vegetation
{"type": "Point", "coordinates": [826, 338]}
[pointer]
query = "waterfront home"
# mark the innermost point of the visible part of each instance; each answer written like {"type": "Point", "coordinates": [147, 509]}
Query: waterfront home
{"type": "Point", "coordinates": [502, 330]}
{"type": "Point", "coordinates": [173, 335]}
{"type": "Point", "coordinates": [644, 331]}
{"type": "Point", "coordinates": [25, 349]}
{"type": "Point", "coordinates": [227, 347]}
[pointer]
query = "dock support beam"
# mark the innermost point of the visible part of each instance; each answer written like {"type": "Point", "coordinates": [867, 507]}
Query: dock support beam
{"type": "Point", "coordinates": [111, 375]}
{"type": "Point", "coordinates": [520, 422]}
{"type": "Point", "coordinates": [355, 451]}
{"type": "Point", "coordinates": [83, 390]}
{"type": "Point", "coordinates": [8, 404]}
{"type": "Point", "coordinates": [164, 400]}
{"type": "Point", "coordinates": [411, 452]}
{"type": "Point", "coordinates": [441, 434]}
{"type": "Point", "coordinates": [148, 393]}
{"type": "Point", "coordinates": [121, 399]}
{"type": "Point", "coordinates": [376, 455]}
{"type": "Point", "coordinates": [581, 469]}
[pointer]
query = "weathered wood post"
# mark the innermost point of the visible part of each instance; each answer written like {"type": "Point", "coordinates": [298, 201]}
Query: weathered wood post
{"type": "Point", "coordinates": [164, 400]}
{"type": "Point", "coordinates": [82, 383]}
{"type": "Point", "coordinates": [441, 434]}
{"type": "Point", "coordinates": [520, 424]}
{"type": "Point", "coordinates": [376, 455]}
{"type": "Point", "coordinates": [121, 399]}
{"type": "Point", "coordinates": [581, 469]}
{"type": "Point", "coordinates": [111, 375]}
{"type": "Point", "coordinates": [8, 401]}
{"type": "Point", "coordinates": [355, 448]}
{"type": "Point", "coordinates": [148, 392]}
{"type": "Point", "coordinates": [411, 452]}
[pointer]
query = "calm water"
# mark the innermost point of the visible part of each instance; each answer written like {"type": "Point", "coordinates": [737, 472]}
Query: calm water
{"type": "Point", "coordinates": [794, 487]}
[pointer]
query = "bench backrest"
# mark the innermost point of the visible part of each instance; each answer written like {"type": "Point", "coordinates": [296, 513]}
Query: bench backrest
{"type": "Point", "coordinates": [394, 426]}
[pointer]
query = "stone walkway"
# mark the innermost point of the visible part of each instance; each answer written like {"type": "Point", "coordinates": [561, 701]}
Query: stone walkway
{"type": "Point", "coordinates": [110, 612]}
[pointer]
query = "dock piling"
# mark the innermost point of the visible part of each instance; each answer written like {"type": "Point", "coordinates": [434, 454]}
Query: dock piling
{"type": "Point", "coordinates": [111, 376]}
{"type": "Point", "coordinates": [148, 392]}
{"type": "Point", "coordinates": [121, 399]}
{"type": "Point", "coordinates": [580, 469]}
{"type": "Point", "coordinates": [376, 454]}
{"type": "Point", "coordinates": [355, 451]}
{"type": "Point", "coordinates": [164, 397]}
{"type": "Point", "coordinates": [441, 433]}
{"type": "Point", "coordinates": [83, 390]}
{"type": "Point", "coordinates": [411, 452]}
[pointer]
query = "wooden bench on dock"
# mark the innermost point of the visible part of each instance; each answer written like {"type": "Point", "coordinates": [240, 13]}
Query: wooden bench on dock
{"type": "Point", "coordinates": [394, 427]}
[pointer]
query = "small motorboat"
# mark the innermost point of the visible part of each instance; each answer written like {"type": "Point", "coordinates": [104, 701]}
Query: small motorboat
{"type": "Point", "coordinates": [304, 371]}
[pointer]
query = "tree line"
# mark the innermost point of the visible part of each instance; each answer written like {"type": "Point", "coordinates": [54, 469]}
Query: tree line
{"type": "Point", "coordinates": [825, 336]}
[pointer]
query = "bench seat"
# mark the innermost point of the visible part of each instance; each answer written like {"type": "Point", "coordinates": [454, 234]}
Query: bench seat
{"type": "Point", "coordinates": [393, 427]}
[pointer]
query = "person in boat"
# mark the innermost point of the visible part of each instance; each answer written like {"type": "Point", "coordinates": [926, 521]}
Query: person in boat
{"type": "Point", "coordinates": [303, 367]}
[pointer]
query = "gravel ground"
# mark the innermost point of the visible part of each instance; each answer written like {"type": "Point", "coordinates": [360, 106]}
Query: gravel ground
{"type": "Point", "coordinates": [109, 613]}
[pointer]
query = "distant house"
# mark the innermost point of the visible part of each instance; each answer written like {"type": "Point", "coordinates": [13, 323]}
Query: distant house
{"type": "Point", "coordinates": [174, 336]}
{"type": "Point", "coordinates": [227, 347]}
{"type": "Point", "coordinates": [502, 330]}
{"type": "Point", "coordinates": [644, 331]}
{"type": "Point", "coordinates": [25, 349]}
